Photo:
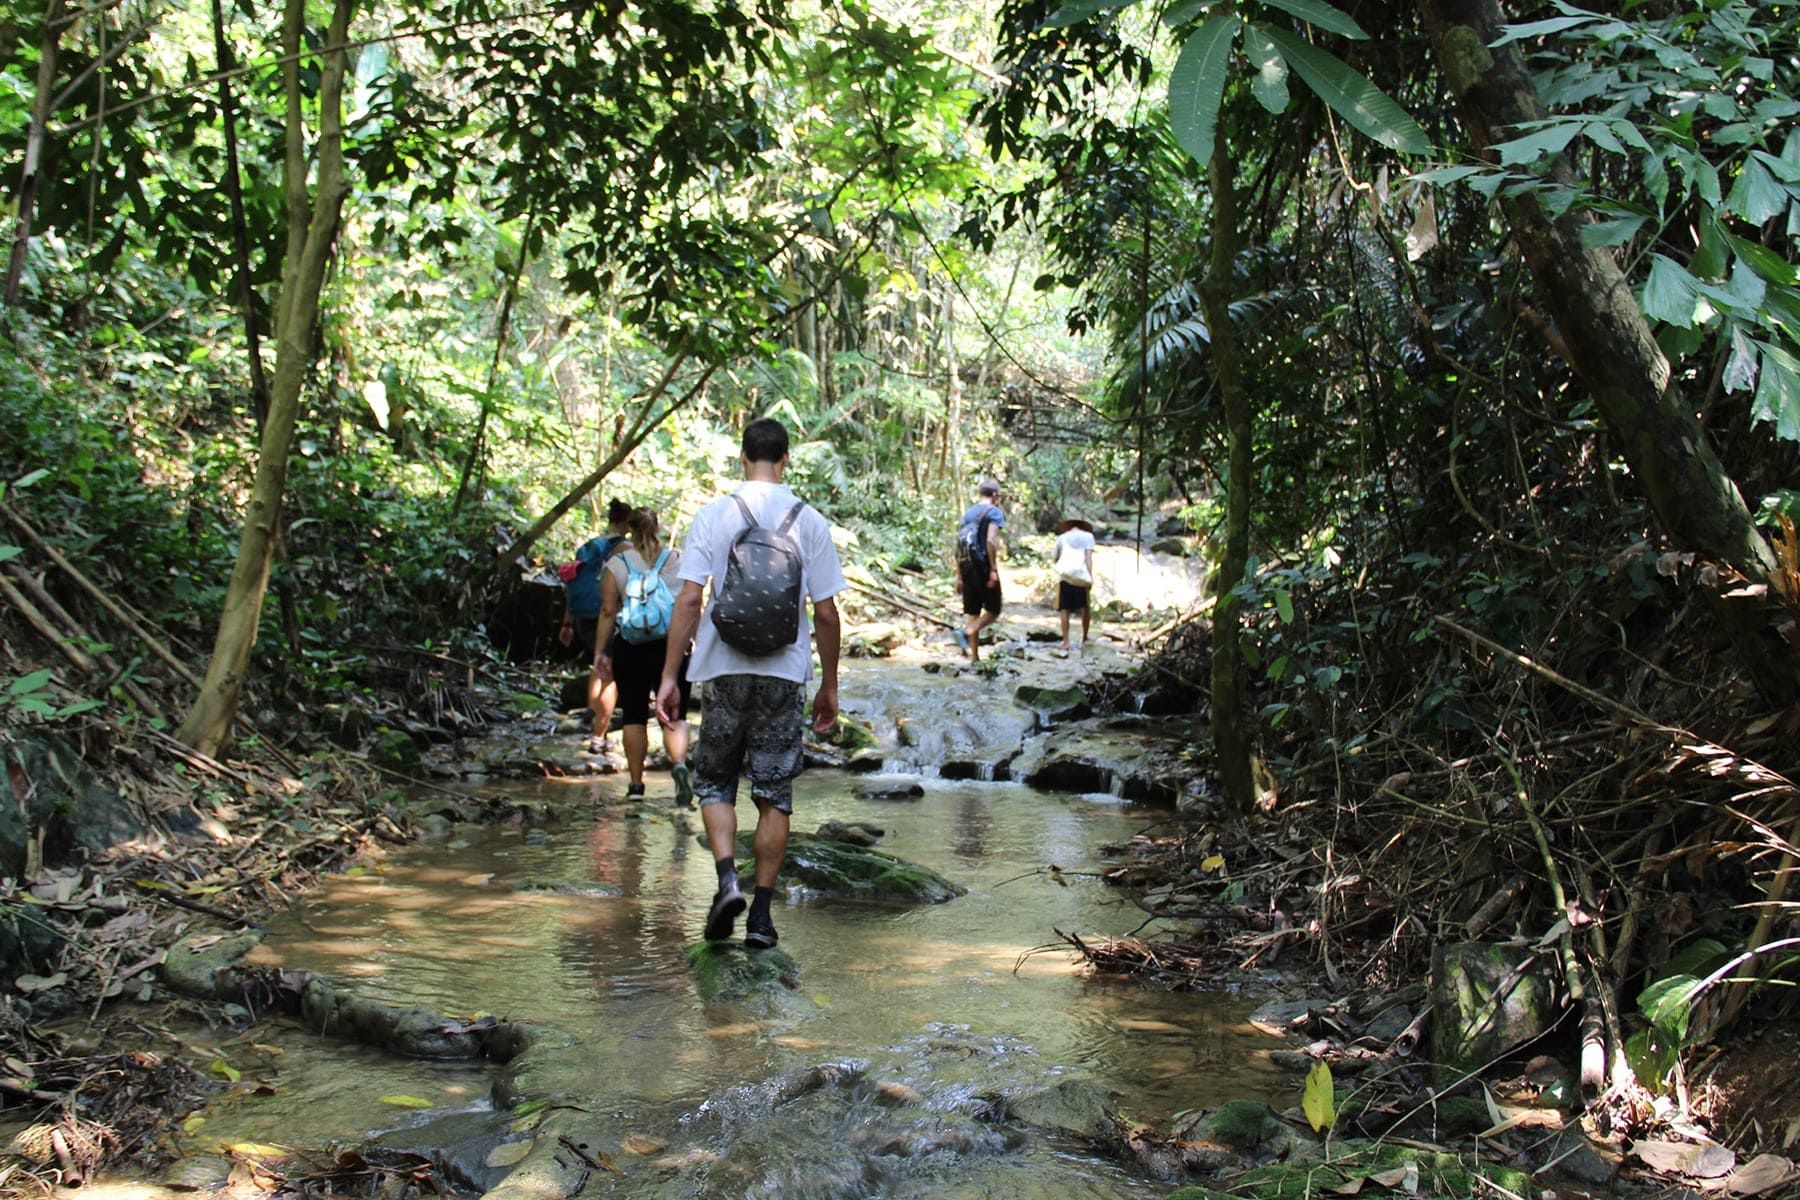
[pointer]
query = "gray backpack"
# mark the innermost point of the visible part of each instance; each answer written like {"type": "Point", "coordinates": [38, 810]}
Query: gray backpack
{"type": "Point", "coordinates": [756, 608]}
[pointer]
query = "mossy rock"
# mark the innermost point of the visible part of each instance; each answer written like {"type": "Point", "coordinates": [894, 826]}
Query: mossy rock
{"type": "Point", "coordinates": [1197, 1193]}
{"type": "Point", "coordinates": [1054, 704]}
{"type": "Point", "coordinates": [850, 734]}
{"type": "Point", "coordinates": [726, 973]}
{"type": "Point", "coordinates": [1486, 998]}
{"type": "Point", "coordinates": [843, 871]}
{"type": "Point", "coordinates": [394, 749]}
{"type": "Point", "coordinates": [1240, 1124]}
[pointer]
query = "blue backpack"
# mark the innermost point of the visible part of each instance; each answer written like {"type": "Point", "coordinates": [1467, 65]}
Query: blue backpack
{"type": "Point", "coordinates": [581, 578]}
{"type": "Point", "coordinates": [649, 605]}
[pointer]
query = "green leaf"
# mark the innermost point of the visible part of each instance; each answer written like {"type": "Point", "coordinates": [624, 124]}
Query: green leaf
{"type": "Point", "coordinates": [1318, 1100]}
{"type": "Point", "coordinates": [1669, 293]}
{"type": "Point", "coordinates": [1551, 140]}
{"type": "Point", "coordinates": [1350, 95]}
{"type": "Point", "coordinates": [1197, 85]}
{"type": "Point", "coordinates": [29, 478]}
{"type": "Point", "coordinates": [1740, 368]}
{"type": "Point", "coordinates": [1765, 262]}
{"type": "Point", "coordinates": [401, 1101]}
{"type": "Point", "coordinates": [1531, 29]}
{"type": "Point", "coordinates": [1284, 607]}
{"type": "Point", "coordinates": [1180, 14]}
{"type": "Point", "coordinates": [8, 553]}
{"type": "Point", "coordinates": [1778, 392]}
{"type": "Point", "coordinates": [1615, 232]}
{"type": "Point", "coordinates": [30, 683]}
{"type": "Point", "coordinates": [1269, 83]}
{"type": "Point", "coordinates": [1756, 196]}
{"type": "Point", "coordinates": [1669, 1004]}
{"type": "Point", "coordinates": [1081, 10]}
{"type": "Point", "coordinates": [1316, 12]}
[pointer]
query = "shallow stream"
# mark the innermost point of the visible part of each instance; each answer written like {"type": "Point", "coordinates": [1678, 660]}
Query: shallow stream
{"type": "Point", "coordinates": [580, 927]}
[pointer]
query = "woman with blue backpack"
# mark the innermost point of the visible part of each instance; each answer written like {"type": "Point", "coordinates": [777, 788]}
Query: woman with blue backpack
{"type": "Point", "coordinates": [637, 598]}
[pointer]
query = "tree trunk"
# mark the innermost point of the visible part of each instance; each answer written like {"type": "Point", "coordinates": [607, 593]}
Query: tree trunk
{"type": "Point", "coordinates": [49, 48]}
{"type": "Point", "coordinates": [1231, 739]}
{"type": "Point", "coordinates": [1611, 347]}
{"type": "Point", "coordinates": [312, 227]}
{"type": "Point", "coordinates": [240, 232]}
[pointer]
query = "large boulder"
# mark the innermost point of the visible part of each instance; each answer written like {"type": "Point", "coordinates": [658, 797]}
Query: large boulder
{"type": "Point", "coordinates": [1486, 998]}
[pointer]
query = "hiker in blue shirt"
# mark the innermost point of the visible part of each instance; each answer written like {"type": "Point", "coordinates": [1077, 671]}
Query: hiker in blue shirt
{"type": "Point", "coordinates": [581, 587]}
{"type": "Point", "coordinates": [636, 601]}
{"type": "Point", "coordinates": [978, 567]}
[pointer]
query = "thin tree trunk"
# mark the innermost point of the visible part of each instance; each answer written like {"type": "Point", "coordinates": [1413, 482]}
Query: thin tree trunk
{"type": "Point", "coordinates": [1612, 348]}
{"type": "Point", "coordinates": [312, 228]}
{"type": "Point", "coordinates": [49, 49]}
{"type": "Point", "coordinates": [476, 444]}
{"type": "Point", "coordinates": [240, 232]}
{"type": "Point", "coordinates": [1231, 738]}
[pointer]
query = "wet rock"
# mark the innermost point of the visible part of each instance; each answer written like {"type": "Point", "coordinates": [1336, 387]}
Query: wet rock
{"type": "Point", "coordinates": [1278, 1018]}
{"type": "Point", "coordinates": [1054, 705]}
{"type": "Point", "coordinates": [866, 763]}
{"type": "Point", "coordinates": [726, 973]}
{"type": "Point", "coordinates": [855, 833]}
{"type": "Point", "coordinates": [1388, 1024]}
{"type": "Point", "coordinates": [873, 639]}
{"type": "Point", "coordinates": [1092, 756]}
{"type": "Point", "coordinates": [1486, 998]}
{"type": "Point", "coordinates": [59, 802]}
{"type": "Point", "coordinates": [568, 887]}
{"type": "Point", "coordinates": [892, 787]}
{"type": "Point", "coordinates": [1074, 1107]}
{"type": "Point", "coordinates": [572, 695]}
{"type": "Point", "coordinates": [853, 872]}
{"type": "Point", "coordinates": [413, 1031]}
{"type": "Point", "coordinates": [1170, 545]}
{"type": "Point", "coordinates": [890, 1094]}
{"type": "Point", "coordinates": [207, 965]}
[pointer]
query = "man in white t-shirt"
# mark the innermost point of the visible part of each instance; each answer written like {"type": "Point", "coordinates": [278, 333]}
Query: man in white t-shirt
{"type": "Point", "coordinates": [752, 708]}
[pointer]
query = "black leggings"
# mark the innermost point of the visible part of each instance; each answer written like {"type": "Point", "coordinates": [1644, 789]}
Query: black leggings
{"type": "Point", "coordinates": [638, 669]}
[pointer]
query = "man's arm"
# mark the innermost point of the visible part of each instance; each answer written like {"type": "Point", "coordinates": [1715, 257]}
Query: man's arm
{"type": "Point", "coordinates": [828, 632]}
{"type": "Point", "coordinates": [683, 621]}
{"type": "Point", "coordinates": [993, 548]}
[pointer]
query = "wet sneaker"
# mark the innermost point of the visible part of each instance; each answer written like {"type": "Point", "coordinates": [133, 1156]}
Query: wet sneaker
{"type": "Point", "coordinates": [726, 906]}
{"type": "Point", "coordinates": [759, 932]}
{"type": "Point", "coordinates": [684, 785]}
{"type": "Point", "coordinates": [962, 640]}
{"type": "Point", "coordinates": [634, 791]}
{"type": "Point", "coordinates": [596, 745]}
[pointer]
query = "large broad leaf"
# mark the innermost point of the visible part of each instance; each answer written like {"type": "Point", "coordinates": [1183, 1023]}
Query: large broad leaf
{"type": "Point", "coordinates": [1757, 196]}
{"type": "Point", "coordinates": [1778, 392]}
{"type": "Point", "coordinates": [1318, 1099]}
{"type": "Point", "coordinates": [1081, 10]}
{"type": "Point", "coordinates": [1669, 294]}
{"type": "Point", "coordinates": [1197, 85]}
{"type": "Point", "coordinates": [1350, 95]}
{"type": "Point", "coordinates": [1542, 28]}
{"type": "Point", "coordinates": [1552, 139]}
{"type": "Point", "coordinates": [1316, 12]}
{"type": "Point", "coordinates": [1669, 1003]}
{"type": "Point", "coordinates": [1269, 83]}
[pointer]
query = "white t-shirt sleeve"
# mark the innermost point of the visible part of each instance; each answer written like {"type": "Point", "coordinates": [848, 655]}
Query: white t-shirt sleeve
{"type": "Point", "coordinates": [824, 574]}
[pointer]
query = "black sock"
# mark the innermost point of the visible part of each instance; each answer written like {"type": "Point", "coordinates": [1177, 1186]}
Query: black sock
{"type": "Point", "coordinates": [727, 871]}
{"type": "Point", "coordinates": [759, 903]}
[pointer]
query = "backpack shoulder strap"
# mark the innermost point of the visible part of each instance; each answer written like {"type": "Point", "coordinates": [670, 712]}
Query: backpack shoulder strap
{"type": "Point", "coordinates": [749, 517]}
{"type": "Point", "coordinates": [661, 560]}
{"type": "Point", "coordinates": [793, 515]}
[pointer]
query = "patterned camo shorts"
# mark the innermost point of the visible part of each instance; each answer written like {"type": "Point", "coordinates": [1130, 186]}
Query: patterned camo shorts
{"type": "Point", "coordinates": [750, 726]}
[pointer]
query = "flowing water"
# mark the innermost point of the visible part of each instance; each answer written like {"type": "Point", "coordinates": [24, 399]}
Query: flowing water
{"type": "Point", "coordinates": [580, 927]}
